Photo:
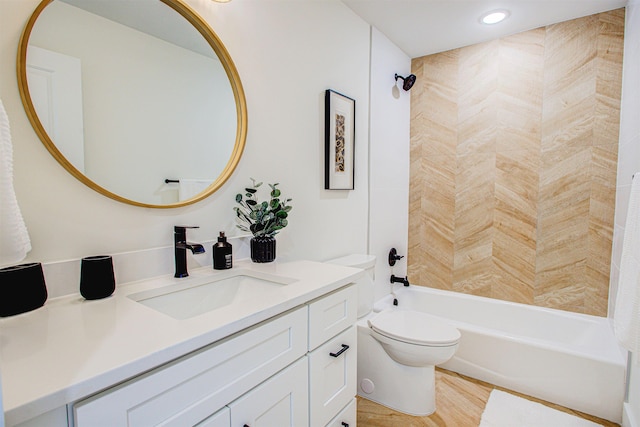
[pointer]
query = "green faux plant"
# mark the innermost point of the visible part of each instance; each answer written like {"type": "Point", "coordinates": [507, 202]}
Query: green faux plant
{"type": "Point", "coordinates": [262, 219]}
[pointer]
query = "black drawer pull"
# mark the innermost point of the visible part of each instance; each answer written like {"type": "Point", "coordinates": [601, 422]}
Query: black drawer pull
{"type": "Point", "coordinates": [345, 424]}
{"type": "Point", "coordinates": [344, 348]}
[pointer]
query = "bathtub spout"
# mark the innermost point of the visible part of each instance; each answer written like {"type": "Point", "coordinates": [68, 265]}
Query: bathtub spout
{"type": "Point", "coordinates": [403, 280]}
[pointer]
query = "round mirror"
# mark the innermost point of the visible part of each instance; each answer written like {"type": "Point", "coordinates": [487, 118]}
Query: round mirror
{"type": "Point", "coordinates": [138, 99]}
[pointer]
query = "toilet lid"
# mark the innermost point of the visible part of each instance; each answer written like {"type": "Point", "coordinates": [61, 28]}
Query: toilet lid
{"type": "Point", "coordinates": [414, 327]}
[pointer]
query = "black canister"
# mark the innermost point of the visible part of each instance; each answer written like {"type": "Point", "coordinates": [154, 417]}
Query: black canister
{"type": "Point", "coordinates": [22, 289]}
{"type": "Point", "coordinates": [97, 279]}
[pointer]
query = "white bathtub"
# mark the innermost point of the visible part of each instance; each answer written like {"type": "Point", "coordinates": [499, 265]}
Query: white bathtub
{"type": "Point", "coordinates": [565, 358]}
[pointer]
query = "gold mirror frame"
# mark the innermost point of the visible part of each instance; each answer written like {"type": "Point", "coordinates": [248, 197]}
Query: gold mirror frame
{"type": "Point", "coordinates": [234, 79]}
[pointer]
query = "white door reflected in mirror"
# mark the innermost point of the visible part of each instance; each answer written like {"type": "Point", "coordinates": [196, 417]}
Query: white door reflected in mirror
{"type": "Point", "coordinates": [55, 84]}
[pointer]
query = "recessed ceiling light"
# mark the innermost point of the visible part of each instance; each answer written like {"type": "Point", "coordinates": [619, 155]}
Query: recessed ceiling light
{"type": "Point", "coordinates": [494, 17]}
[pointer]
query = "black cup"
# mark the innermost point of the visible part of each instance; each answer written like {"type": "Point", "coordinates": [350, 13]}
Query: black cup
{"type": "Point", "coordinates": [22, 289]}
{"type": "Point", "coordinates": [96, 277]}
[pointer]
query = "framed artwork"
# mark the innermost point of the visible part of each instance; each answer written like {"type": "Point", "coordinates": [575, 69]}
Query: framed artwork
{"type": "Point", "coordinates": [339, 136]}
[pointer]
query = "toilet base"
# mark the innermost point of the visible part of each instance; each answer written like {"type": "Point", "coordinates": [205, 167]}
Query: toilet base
{"type": "Point", "coordinates": [406, 389]}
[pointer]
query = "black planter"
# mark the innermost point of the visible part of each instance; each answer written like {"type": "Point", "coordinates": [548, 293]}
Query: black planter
{"type": "Point", "coordinates": [96, 277]}
{"type": "Point", "coordinates": [263, 249]}
{"type": "Point", "coordinates": [22, 289]}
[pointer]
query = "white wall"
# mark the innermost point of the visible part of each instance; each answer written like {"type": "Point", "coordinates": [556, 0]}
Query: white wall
{"type": "Point", "coordinates": [628, 164]}
{"type": "Point", "coordinates": [389, 165]}
{"type": "Point", "coordinates": [287, 53]}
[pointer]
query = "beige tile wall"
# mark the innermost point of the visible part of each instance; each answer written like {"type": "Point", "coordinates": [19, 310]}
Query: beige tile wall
{"type": "Point", "coordinates": [513, 165]}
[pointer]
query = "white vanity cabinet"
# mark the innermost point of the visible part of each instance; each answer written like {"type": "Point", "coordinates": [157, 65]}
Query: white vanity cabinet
{"type": "Point", "coordinates": [297, 369]}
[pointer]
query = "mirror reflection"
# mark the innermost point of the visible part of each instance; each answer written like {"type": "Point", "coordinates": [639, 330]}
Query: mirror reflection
{"type": "Point", "coordinates": [134, 100]}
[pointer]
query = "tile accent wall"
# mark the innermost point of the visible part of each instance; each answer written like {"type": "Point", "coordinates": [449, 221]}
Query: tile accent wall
{"type": "Point", "coordinates": [513, 165]}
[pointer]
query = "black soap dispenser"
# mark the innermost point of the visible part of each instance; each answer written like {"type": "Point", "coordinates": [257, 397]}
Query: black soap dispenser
{"type": "Point", "coordinates": [222, 255]}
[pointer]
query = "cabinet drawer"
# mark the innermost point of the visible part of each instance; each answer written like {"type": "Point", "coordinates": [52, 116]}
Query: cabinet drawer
{"type": "Point", "coordinates": [331, 315]}
{"type": "Point", "coordinates": [281, 401]}
{"type": "Point", "coordinates": [347, 417]}
{"type": "Point", "coordinates": [332, 376]}
{"type": "Point", "coordinates": [186, 391]}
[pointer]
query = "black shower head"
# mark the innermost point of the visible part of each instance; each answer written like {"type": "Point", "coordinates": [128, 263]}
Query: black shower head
{"type": "Point", "coordinates": [408, 81]}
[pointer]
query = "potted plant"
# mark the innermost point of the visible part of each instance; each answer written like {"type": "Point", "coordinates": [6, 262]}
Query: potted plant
{"type": "Point", "coordinates": [262, 219]}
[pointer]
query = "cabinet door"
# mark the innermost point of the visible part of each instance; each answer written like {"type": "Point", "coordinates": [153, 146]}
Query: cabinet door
{"type": "Point", "coordinates": [282, 400]}
{"type": "Point", "coordinates": [332, 376]}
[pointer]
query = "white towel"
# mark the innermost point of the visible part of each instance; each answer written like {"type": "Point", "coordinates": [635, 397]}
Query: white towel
{"type": "Point", "coordinates": [626, 317]}
{"type": "Point", "coordinates": [187, 188]}
{"type": "Point", "coordinates": [14, 238]}
{"type": "Point", "coordinates": [506, 410]}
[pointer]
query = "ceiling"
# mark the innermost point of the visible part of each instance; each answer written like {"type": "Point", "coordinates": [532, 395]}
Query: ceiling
{"type": "Point", "coordinates": [423, 27]}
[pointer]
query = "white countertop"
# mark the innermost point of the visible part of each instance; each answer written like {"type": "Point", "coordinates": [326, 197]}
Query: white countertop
{"type": "Point", "coordinates": [72, 348]}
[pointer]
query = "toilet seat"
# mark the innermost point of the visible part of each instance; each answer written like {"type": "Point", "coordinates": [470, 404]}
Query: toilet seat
{"type": "Point", "coordinates": [414, 327]}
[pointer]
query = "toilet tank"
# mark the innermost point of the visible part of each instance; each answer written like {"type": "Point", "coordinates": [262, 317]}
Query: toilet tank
{"type": "Point", "coordinates": [365, 283]}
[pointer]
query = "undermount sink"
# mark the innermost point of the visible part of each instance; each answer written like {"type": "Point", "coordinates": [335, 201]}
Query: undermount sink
{"type": "Point", "coordinates": [201, 295]}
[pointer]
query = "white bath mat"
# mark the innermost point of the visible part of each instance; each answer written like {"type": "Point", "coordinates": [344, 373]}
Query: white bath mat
{"type": "Point", "coordinates": [506, 410]}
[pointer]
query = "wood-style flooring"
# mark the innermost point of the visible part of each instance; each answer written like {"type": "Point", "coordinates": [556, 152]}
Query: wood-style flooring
{"type": "Point", "coordinates": [460, 401]}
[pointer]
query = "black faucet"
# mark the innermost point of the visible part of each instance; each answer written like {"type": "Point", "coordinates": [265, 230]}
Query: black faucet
{"type": "Point", "coordinates": [403, 280]}
{"type": "Point", "coordinates": [180, 248]}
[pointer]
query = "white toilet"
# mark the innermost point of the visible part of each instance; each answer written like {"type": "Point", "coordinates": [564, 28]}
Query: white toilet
{"type": "Point", "coordinates": [398, 349]}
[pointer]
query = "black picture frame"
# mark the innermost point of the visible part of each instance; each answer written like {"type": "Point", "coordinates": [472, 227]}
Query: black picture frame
{"type": "Point", "coordinates": [339, 137]}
